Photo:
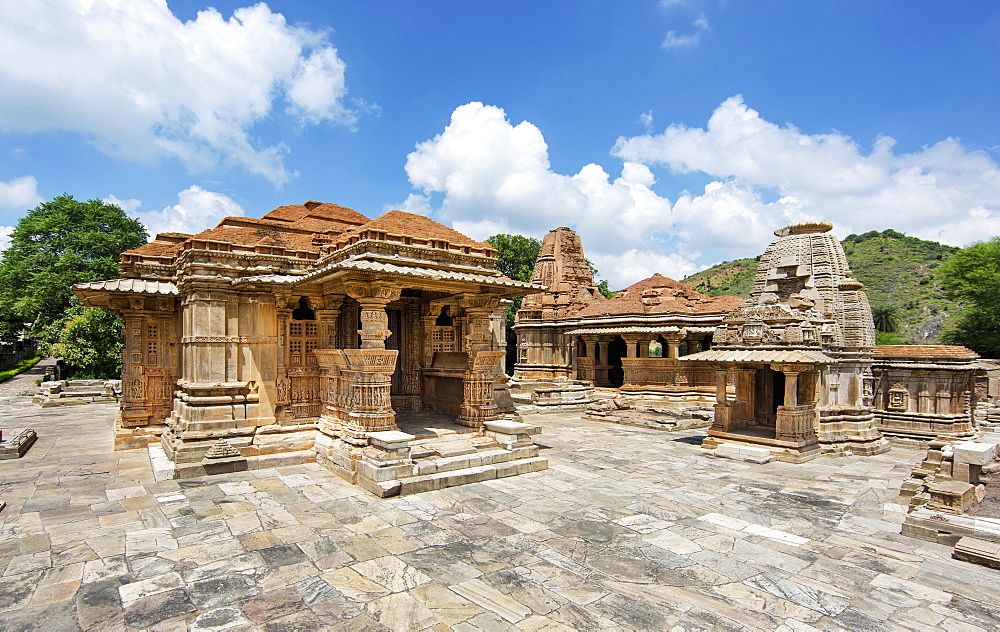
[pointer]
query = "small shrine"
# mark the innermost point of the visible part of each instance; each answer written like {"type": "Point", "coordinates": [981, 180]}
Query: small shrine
{"type": "Point", "coordinates": [572, 332]}
{"type": "Point", "coordinates": [800, 355]}
{"type": "Point", "coordinates": [314, 333]}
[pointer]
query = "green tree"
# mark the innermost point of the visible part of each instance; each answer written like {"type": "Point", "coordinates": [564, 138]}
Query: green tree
{"type": "Point", "coordinates": [516, 255]}
{"type": "Point", "coordinates": [57, 244]}
{"type": "Point", "coordinates": [602, 285]}
{"type": "Point", "coordinates": [89, 340]}
{"type": "Point", "coordinates": [886, 318]}
{"type": "Point", "coordinates": [971, 276]}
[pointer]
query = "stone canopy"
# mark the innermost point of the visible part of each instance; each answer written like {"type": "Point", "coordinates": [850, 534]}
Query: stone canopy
{"type": "Point", "coordinates": [301, 334]}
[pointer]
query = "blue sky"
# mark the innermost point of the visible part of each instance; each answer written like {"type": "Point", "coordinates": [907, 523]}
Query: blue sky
{"type": "Point", "coordinates": [671, 135]}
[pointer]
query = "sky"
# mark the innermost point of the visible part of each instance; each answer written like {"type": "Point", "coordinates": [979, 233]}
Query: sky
{"type": "Point", "coordinates": [671, 134]}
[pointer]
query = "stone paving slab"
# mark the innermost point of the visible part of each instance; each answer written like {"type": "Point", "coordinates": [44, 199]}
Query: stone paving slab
{"type": "Point", "coordinates": [629, 529]}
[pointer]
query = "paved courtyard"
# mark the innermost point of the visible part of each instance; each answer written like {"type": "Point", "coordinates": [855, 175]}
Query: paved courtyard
{"type": "Point", "coordinates": [630, 529]}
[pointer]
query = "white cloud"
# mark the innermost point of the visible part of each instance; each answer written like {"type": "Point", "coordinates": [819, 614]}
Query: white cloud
{"type": "Point", "coordinates": [143, 84]}
{"type": "Point", "coordinates": [195, 211]}
{"type": "Point", "coordinates": [20, 194]}
{"type": "Point", "coordinates": [943, 192]}
{"type": "Point", "coordinates": [675, 40]}
{"type": "Point", "coordinates": [5, 232]}
{"type": "Point", "coordinates": [128, 205]}
{"type": "Point", "coordinates": [496, 177]}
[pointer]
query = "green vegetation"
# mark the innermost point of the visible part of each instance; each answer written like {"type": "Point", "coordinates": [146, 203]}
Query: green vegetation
{"type": "Point", "coordinates": [886, 318]}
{"type": "Point", "coordinates": [898, 272]}
{"type": "Point", "coordinates": [18, 368]}
{"type": "Point", "coordinates": [57, 244]}
{"type": "Point", "coordinates": [516, 255]}
{"type": "Point", "coordinates": [734, 278]}
{"type": "Point", "coordinates": [972, 276]}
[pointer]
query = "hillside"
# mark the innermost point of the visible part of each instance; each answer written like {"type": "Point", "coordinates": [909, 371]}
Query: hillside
{"type": "Point", "coordinates": [896, 269]}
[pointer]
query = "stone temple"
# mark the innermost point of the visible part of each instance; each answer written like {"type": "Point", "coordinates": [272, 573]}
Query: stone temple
{"type": "Point", "coordinates": [800, 354]}
{"type": "Point", "coordinates": [302, 335]}
{"type": "Point", "coordinates": [571, 331]}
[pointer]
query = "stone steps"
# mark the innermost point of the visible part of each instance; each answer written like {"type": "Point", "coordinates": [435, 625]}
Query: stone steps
{"type": "Point", "coordinates": [461, 462]}
{"type": "Point", "coordinates": [464, 476]}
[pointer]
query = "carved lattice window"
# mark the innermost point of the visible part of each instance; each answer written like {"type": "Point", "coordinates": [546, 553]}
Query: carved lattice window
{"type": "Point", "coordinates": [443, 339]}
{"type": "Point", "coordinates": [303, 337]}
{"type": "Point", "coordinates": [152, 344]}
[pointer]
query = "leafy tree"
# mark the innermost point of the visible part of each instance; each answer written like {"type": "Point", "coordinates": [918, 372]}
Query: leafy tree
{"type": "Point", "coordinates": [886, 318]}
{"type": "Point", "coordinates": [516, 255]}
{"type": "Point", "coordinates": [602, 285]}
{"type": "Point", "coordinates": [89, 340]}
{"type": "Point", "coordinates": [972, 277]}
{"type": "Point", "coordinates": [57, 244]}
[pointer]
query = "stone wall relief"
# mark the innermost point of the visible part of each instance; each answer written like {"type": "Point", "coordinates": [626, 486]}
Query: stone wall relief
{"type": "Point", "coordinates": [899, 398]}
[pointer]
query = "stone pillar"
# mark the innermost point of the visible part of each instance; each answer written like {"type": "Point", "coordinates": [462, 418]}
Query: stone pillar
{"type": "Point", "coordinates": [791, 388]}
{"type": "Point", "coordinates": [644, 348]}
{"type": "Point", "coordinates": [721, 382]}
{"type": "Point", "coordinates": [630, 346]}
{"type": "Point", "coordinates": [478, 406]}
{"type": "Point", "coordinates": [673, 346]}
{"type": "Point", "coordinates": [327, 318]}
{"type": "Point", "coordinates": [371, 366]}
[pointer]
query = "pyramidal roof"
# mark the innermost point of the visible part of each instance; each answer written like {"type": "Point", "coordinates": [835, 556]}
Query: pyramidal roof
{"type": "Point", "coordinates": [658, 295]}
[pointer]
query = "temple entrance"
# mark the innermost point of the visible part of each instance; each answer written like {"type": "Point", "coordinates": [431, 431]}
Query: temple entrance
{"type": "Point", "coordinates": [769, 394]}
{"type": "Point", "coordinates": [394, 342]}
{"type": "Point", "coordinates": [617, 349]}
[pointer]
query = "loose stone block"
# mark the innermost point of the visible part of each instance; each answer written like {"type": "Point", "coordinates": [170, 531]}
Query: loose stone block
{"type": "Point", "coordinates": [951, 496]}
{"type": "Point", "coordinates": [16, 442]}
{"type": "Point", "coordinates": [974, 453]}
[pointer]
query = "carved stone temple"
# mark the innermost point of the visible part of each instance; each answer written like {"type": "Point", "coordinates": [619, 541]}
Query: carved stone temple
{"type": "Point", "coordinates": [800, 354]}
{"type": "Point", "coordinates": [571, 331]}
{"type": "Point", "coordinates": [306, 335]}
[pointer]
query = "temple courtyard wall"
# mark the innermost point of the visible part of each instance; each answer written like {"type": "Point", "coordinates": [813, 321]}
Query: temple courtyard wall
{"type": "Point", "coordinates": [629, 529]}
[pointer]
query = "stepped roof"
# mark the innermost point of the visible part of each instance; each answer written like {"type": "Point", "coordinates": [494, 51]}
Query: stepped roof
{"type": "Point", "coordinates": [660, 295]}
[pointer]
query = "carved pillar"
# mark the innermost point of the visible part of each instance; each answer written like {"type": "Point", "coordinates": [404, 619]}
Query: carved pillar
{"type": "Point", "coordinates": [134, 407]}
{"type": "Point", "coordinates": [673, 345]}
{"type": "Point", "coordinates": [373, 297]}
{"type": "Point", "coordinates": [368, 382]}
{"type": "Point", "coordinates": [328, 317]}
{"type": "Point", "coordinates": [477, 404]}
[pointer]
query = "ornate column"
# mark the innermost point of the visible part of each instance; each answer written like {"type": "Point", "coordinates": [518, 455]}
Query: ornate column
{"type": "Point", "coordinates": [477, 404]}
{"type": "Point", "coordinates": [327, 317]}
{"type": "Point", "coordinates": [370, 368]}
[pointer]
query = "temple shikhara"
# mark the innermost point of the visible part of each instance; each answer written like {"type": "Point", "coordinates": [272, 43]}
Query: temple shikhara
{"type": "Point", "coordinates": [307, 335]}
{"type": "Point", "coordinates": [800, 354]}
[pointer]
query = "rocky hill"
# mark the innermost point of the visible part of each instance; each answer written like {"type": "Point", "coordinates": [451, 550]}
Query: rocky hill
{"type": "Point", "coordinates": [897, 270]}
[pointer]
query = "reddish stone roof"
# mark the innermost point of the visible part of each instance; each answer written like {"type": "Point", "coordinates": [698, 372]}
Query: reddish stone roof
{"type": "Point", "coordinates": [303, 230]}
{"type": "Point", "coordinates": [952, 352]}
{"type": "Point", "coordinates": [412, 227]}
{"type": "Point", "coordinates": [163, 245]}
{"type": "Point", "coordinates": [660, 295]}
{"type": "Point", "coordinates": [329, 213]}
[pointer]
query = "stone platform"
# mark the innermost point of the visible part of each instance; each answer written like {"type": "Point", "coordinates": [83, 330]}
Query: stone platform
{"type": "Point", "coordinates": [628, 529]}
{"type": "Point", "coordinates": [429, 452]}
